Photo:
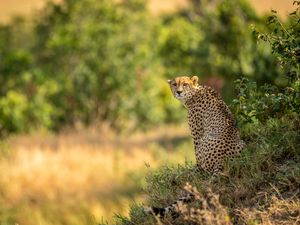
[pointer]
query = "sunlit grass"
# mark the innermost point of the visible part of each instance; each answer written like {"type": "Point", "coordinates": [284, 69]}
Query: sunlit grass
{"type": "Point", "coordinates": [80, 177]}
{"type": "Point", "coordinates": [26, 7]}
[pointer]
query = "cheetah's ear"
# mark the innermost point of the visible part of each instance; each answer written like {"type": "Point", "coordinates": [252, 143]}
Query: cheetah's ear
{"type": "Point", "coordinates": [169, 81]}
{"type": "Point", "coordinates": [195, 79]}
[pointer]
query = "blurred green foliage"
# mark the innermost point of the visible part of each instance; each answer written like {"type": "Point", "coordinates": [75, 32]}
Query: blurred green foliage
{"type": "Point", "coordinates": [101, 60]}
{"type": "Point", "coordinates": [258, 103]}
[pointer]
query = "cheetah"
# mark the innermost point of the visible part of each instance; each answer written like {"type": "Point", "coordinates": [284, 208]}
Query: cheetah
{"type": "Point", "coordinates": [212, 128]}
{"type": "Point", "coordinates": [211, 123]}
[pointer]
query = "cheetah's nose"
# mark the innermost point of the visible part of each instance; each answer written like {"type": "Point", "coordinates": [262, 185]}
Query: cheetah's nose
{"type": "Point", "coordinates": [179, 92]}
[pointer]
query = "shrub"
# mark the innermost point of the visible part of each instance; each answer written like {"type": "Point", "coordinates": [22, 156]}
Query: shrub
{"type": "Point", "coordinates": [258, 103]}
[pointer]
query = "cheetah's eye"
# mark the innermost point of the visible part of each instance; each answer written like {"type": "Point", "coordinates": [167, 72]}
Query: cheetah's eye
{"type": "Point", "coordinates": [185, 84]}
{"type": "Point", "coordinates": [174, 84]}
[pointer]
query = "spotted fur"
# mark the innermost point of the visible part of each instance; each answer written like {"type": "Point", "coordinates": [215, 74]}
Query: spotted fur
{"type": "Point", "coordinates": [212, 127]}
{"type": "Point", "coordinates": [211, 123]}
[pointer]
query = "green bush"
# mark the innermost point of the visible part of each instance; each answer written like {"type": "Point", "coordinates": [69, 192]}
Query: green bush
{"type": "Point", "coordinates": [214, 38]}
{"type": "Point", "coordinates": [86, 61]}
{"type": "Point", "coordinates": [258, 103]}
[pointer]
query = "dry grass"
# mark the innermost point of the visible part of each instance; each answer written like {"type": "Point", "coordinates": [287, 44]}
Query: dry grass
{"type": "Point", "coordinates": [26, 7]}
{"type": "Point", "coordinates": [99, 172]}
{"type": "Point", "coordinates": [281, 211]}
{"type": "Point", "coordinates": [158, 7]}
{"type": "Point", "coordinates": [209, 210]}
{"type": "Point", "coordinates": [282, 6]}
{"type": "Point", "coordinates": [12, 8]}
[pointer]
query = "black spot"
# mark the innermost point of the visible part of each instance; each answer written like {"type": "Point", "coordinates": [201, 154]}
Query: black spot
{"type": "Point", "coordinates": [159, 211]}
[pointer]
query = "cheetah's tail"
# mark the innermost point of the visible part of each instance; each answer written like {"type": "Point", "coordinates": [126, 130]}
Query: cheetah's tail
{"type": "Point", "coordinates": [161, 212]}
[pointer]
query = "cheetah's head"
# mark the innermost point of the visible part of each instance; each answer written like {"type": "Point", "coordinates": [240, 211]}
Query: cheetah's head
{"type": "Point", "coordinates": [183, 88]}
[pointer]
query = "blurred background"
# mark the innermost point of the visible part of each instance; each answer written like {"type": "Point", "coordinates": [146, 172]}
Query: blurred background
{"type": "Point", "coordinates": [85, 109]}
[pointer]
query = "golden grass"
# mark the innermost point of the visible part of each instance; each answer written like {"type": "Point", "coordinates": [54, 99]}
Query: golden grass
{"type": "Point", "coordinates": [11, 8]}
{"type": "Point", "coordinates": [210, 212]}
{"type": "Point", "coordinates": [280, 211]}
{"type": "Point", "coordinates": [96, 173]}
{"type": "Point", "coordinates": [282, 6]}
{"type": "Point", "coordinates": [158, 7]}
